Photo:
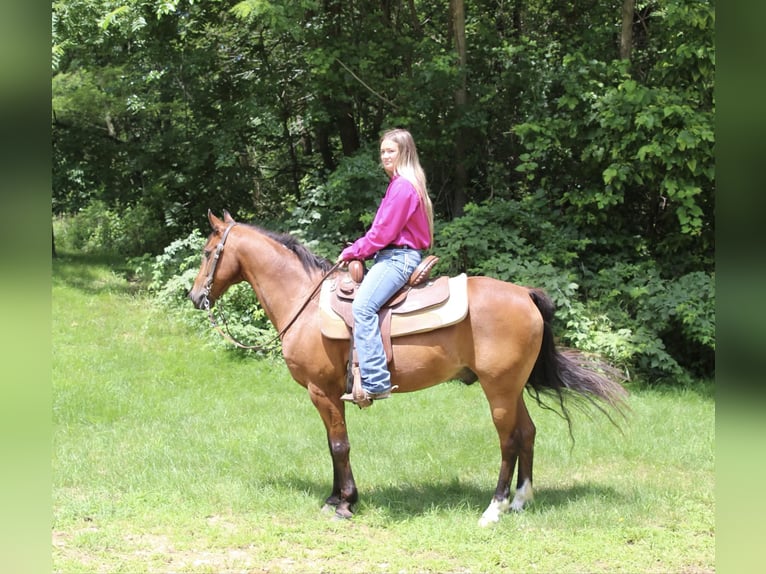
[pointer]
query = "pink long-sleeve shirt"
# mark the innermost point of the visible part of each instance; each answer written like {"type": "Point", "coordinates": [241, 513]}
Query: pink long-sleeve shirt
{"type": "Point", "coordinates": [400, 220]}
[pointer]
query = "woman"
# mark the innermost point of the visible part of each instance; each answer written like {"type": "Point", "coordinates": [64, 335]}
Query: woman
{"type": "Point", "coordinates": [403, 226]}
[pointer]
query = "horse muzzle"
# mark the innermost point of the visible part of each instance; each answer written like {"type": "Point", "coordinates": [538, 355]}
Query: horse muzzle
{"type": "Point", "coordinates": [200, 300]}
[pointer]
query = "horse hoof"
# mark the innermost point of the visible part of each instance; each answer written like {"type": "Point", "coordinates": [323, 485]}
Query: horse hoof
{"type": "Point", "coordinates": [492, 515]}
{"type": "Point", "coordinates": [343, 513]}
{"type": "Point", "coordinates": [523, 496]}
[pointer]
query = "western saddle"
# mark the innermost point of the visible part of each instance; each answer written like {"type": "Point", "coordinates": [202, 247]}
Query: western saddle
{"type": "Point", "coordinates": [417, 294]}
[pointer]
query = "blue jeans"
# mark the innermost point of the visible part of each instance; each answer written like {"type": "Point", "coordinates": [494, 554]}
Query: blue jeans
{"type": "Point", "coordinates": [390, 271]}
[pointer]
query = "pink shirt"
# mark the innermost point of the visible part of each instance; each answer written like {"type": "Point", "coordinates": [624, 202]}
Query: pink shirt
{"type": "Point", "coordinates": [400, 220]}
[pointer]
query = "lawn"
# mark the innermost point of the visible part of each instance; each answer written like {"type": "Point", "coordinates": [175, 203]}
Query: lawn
{"type": "Point", "coordinates": [172, 455]}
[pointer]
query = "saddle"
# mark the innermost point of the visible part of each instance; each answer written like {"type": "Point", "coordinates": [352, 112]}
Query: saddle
{"type": "Point", "coordinates": [422, 304]}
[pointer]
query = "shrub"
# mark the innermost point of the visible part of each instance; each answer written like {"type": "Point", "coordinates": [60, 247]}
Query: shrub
{"type": "Point", "coordinates": [127, 231]}
{"type": "Point", "coordinates": [671, 320]}
{"type": "Point", "coordinates": [661, 328]}
{"type": "Point", "coordinates": [347, 199]}
{"type": "Point", "coordinates": [171, 276]}
{"type": "Point", "coordinates": [93, 229]}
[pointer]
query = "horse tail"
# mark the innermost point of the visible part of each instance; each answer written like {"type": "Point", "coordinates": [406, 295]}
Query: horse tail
{"type": "Point", "coordinates": [583, 379]}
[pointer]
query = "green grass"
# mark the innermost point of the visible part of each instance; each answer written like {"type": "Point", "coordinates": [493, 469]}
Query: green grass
{"type": "Point", "coordinates": [173, 456]}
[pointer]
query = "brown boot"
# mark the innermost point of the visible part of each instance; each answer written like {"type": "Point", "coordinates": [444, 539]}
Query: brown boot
{"type": "Point", "coordinates": [365, 399]}
{"type": "Point", "coordinates": [358, 395]}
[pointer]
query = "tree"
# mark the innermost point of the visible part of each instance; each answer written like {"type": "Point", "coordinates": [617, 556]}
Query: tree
{"type": "Point", "coordinates": [594, 118]}
{"type": "Point", "coordinates": [457, 19]}
{"type": "Point", "coordinates": [626, 35]}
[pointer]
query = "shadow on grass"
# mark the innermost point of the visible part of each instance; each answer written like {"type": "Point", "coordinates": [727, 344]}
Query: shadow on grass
{"type": "Point", "coordinates": [400, 502]}
{"type": "Point", "coordinates": [94, 274]}
{"type": "Point", "coordinates": [561, 497]}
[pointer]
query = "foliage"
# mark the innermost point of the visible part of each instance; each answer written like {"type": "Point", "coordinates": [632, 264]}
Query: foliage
{"type": "Point", "coordinates": [170, 277]}
{"type": "Point", "coordinates": [118, 230]}
{"type": "Point", "coordinates": [626, 148]}
{"type": "Point", "coordinates": [575, 169]}
{"type": "Point", "coordinates": [662, 328]}
{"type": "Point", "coordinates": [173, 271]}
{"type": "Point", "coordinates": [672, 319]}
{"type": "Point", "coordinates": [342, 207]}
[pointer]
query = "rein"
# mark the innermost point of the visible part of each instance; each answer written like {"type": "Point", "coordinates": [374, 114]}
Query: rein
{"type": "Point", "coordinates": [227, 335]}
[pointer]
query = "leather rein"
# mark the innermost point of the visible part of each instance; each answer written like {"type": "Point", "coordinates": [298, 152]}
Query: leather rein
{"type": "Point", "coordinates": [227, 335]}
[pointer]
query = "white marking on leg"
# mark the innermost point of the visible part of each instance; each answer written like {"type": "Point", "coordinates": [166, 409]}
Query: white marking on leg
{"type": "Point", "coordinates": [493, 512]}
{"type": "Point", "coordinates": [523, 495]}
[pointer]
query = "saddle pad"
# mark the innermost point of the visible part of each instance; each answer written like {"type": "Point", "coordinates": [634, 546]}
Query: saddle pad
{"type": "Point", "coordinates": [452, 311]}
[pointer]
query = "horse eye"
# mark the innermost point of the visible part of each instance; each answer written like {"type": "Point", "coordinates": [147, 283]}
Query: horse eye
{"type": "Point", "coordinates": [206, 253]}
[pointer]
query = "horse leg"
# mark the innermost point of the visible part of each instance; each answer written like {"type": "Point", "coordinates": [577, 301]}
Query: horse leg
{"type": "Point", "coordinates": [524, 441]}
{"type": "Point", "coordinates": [344, 493]}
{"type": "Point", "coordinates": [504, 415]}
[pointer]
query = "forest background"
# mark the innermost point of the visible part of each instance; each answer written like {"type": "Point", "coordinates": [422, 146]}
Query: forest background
{"type": "Point", "coordinates": [568, 145]}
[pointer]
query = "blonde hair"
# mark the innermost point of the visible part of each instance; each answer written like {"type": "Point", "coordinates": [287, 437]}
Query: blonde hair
{"type": "Point", "coordinates": [408, 167]}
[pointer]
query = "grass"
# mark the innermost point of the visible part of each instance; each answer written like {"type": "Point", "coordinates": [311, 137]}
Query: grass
{"type": "Point", "coordinates": [173, 456]}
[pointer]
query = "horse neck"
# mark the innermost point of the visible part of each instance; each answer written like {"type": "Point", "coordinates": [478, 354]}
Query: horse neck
{"type": "Point", "coordinates": [276, 275]}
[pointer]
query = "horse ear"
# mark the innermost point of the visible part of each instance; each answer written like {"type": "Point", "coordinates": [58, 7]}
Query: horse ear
{"type": "Point", "coordinates": [227, 218]}
{"type": "Point", "coordinates": [215, 223]}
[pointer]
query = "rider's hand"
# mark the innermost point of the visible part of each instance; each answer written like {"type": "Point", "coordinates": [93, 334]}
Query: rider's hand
{"type": "Point", "coordinates": [340, 257]}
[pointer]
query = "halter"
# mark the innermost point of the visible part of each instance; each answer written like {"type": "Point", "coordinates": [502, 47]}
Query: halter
{"type": "Point", "coordinates": [209, 279]}
{"type": "Point", "coordinates": [209, 285]}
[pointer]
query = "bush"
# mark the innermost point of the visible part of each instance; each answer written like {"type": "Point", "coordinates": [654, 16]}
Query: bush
{"type": "Point", "coordinates": [99, 229]}
{"type": "Point", "coordinates": [342, 207]}
{"type": "Point", "coordinates": [171, 275]}
{"type": "Point", "coordinates": [672, 319]}
{"type": "Point", "coordinates": [661, 328]}
{"type": "Point", "coordinates": [93, 229]}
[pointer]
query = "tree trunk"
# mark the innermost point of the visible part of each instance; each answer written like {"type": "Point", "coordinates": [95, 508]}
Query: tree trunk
{"type": "Point", "coordinates": [457, 19]}
{"type": "Point", "coordinates": [626, 37]}
{"type": "Point", "coordinates": [294, 166]}
{"type": "Point", "coordinates": [414, 15]}
{"type": "Point", "coordinates": [339, 108]}
{"type": "Point", "coordinates": [517, 20]}
{"type": "Point", "coordinates": [349, 134]}
{"type": "Point", "coordinates": [323, 142]}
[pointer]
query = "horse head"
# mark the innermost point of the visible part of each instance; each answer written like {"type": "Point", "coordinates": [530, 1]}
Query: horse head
{"type": "Point", "coordinates": [217, 271]}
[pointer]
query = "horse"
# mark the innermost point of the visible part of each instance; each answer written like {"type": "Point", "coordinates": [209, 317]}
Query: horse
{"type": "Point", "coordinates": [505, 342]}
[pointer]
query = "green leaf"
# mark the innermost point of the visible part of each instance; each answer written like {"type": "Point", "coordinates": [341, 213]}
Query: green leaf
{"type": "Point", "coordinates": [648, 149]}
{"type": "Point", "coordinates": [609, 174]}
{"type": "Point", "coordinates": [111, 17]}
{"type": "Point", "coordinates": [686, 140]}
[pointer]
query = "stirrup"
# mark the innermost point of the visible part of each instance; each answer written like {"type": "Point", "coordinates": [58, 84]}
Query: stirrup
{"type": "Point", "coordinates": [362, 398]}
{"type": "Point", "coordinates": [358, 395]}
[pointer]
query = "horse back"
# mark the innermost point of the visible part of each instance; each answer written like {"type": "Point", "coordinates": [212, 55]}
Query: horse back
{"type": "Point", "coordinates": [491, 300]}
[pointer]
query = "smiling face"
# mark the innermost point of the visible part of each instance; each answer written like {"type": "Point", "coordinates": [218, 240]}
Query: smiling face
{"type": "Point", "coordinates": [389, 156]}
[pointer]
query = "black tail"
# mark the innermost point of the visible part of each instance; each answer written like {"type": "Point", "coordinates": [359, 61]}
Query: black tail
{"type": "Point", "coordinates": [573, 375]}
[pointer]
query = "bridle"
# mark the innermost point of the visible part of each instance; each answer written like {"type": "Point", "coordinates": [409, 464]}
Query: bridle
{"type": "Point", "coordinates": [227, 335]}
{"type": "Point", "coordinates": [209, 279]}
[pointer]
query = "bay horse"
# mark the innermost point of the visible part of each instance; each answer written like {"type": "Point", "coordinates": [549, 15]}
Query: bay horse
{"type": "Point", "coordinates": [505, 342]}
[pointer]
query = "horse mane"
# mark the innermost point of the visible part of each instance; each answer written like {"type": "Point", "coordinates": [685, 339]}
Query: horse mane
{"type": "Point", "coordinates": [308, 259]}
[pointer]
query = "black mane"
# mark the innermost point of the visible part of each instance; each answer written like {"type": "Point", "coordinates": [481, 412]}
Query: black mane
{"type": "Point", "coordinates": [308, 259]}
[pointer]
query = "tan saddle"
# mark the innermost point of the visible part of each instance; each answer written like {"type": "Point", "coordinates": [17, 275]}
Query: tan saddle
{"type": "Point", "coordinates": [418, 306]}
